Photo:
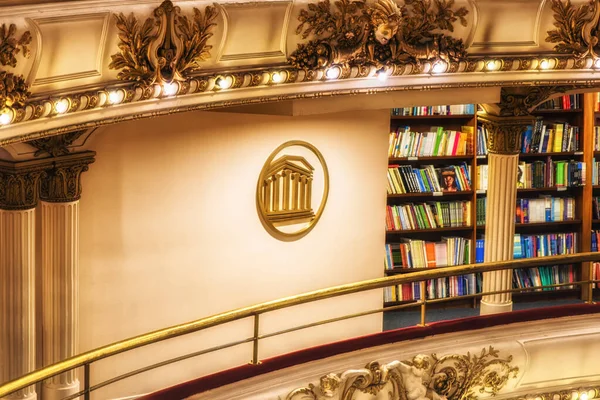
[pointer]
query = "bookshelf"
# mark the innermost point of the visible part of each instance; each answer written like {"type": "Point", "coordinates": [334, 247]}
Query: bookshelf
{"type": "Point", "coordinates": [563, 139]}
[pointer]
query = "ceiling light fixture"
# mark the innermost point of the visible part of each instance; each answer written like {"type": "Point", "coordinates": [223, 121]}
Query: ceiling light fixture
{"type": "Point", "coordinates": [544, 64]}
{"type": "Point", "coordinates": [170, 89]}
{"type": "Point", "coordinates": [333, 72]}
{"type": "Point", "coordinates": [492, 65]}
{"type": "Point", "coordinates": [223, 83]}
{"type": "Point", "coordinates": [382, 75]}
{"type": "Point", "coordinates": [597, 63]}
{"type": "Point", "coordinates": [6, 116]}
{"type": "Point", "coordinates": [115, 96]}
{"type": "Point", "coordinates": [62, 106]}
{"type": "Point", "coordinates": [276, 77]}
{"type": "Point", "coordinates": [438, 67]}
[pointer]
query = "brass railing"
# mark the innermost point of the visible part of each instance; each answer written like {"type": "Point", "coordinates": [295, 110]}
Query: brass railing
{"type": "Point", "coordinates": [86, 359]}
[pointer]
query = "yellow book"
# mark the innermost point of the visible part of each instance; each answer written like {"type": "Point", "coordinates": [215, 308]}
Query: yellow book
{"type": "Point", "coordinates": [558, 138]}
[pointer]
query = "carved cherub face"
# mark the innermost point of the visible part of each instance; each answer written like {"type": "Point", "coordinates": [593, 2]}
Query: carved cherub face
{"type": "Point", "coordinates": [385, 18]}
{"type": "Point", "coordinates": [385, 32]}
{"type": "Point", "coordinates": [421, 361]}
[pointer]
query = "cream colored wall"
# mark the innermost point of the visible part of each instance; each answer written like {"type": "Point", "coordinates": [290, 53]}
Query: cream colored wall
{"type": "Point", "coordinates": [170, 233]}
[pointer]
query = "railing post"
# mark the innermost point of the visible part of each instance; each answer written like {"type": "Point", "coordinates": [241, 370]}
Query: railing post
{"type": "Point", "coordinates": [86, 381]}
{"type": "Point", "coordinates": [423, 302]}
{"type": "Point", "coordinates": [255, 342]}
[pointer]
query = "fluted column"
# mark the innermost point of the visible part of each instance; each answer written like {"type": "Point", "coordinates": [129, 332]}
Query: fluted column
{"type": "Point", "coordinates": [60, 193]}
{"type": "Point", "coordinates": [18, 197]}
{"type": "Point", "coordinates": [504, 139]}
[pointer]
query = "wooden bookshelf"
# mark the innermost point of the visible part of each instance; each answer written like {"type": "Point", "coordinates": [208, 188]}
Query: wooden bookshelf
{"type": "Point", "coordinates": [583, 117]}
{"type": "Point", "coordinates": [432, 117]}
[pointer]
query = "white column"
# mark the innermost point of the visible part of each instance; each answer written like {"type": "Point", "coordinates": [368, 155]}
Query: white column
{"type": "Point", "coordinates": [499, 229]}
{"type": "Point", "coordinates": [60, 292]}
{"type": "Point", "coordinates": [17, 284]}
{"type": "Point", "coordinates": [504, 142]}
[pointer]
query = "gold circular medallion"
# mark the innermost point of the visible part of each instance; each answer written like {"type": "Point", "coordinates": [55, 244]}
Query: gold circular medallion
{"type": "Point", "coordinates": [293, 183]}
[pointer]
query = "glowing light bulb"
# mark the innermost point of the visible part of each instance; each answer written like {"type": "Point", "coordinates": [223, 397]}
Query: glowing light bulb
{"type": "Point", "coordinates": [492, 65]}
{"type": "Point", "coordinates": [276, 77]}
{"type": "Point", "coordinates": [544, 64]}
{"type": "Point", "coordinates": [583, 396]}
{"type": "Point", "coordinates": [61, 106]}
{"type": "Point", "coordinates": [170, 89]}
{"type": "Point", "coordinates": [382, 75]}
{"type": "Point", "coordinates": [333, 73]}
{"type": "Point", "coordinates": [223, 83]}
{"type": "Point", "coordinates": [597, 63]}
{"type": "Point", "coordinates": [439, 67]}
{"type": "Point", "coordinates": [6, 116]}
{"type": "Point", "coordinates": [115, 97]}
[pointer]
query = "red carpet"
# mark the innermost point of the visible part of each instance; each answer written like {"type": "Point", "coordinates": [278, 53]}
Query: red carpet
{"type": "Point", "coordinates": [319, 352]}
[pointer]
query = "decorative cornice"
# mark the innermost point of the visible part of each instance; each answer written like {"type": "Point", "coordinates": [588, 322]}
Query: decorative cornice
{"type": "Point", "coordinates": [14, 91]}
{"type": "Point", "coordinates": [166, 48]}
{"type": "Point", "coordinates": [576, 30]}
{"type": "Point", "coordinates": [504, 133]}
{"type": "Point", "coordinates": [62, 182]}
{"type": "Point", "coordinates": [154, 64]}
{"type": "Point", "coordinates": [453, 377]}
{"type": "Point", "coordinates": [353, 33]}
{"type": "Point", "coordinates": [55, 146]}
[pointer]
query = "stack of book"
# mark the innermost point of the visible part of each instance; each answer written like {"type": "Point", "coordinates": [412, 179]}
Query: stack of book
{"type": "Point", "coordinates": [436, 142]}
{"type": "Point", "coordinates": [428, 179]}
{"type": "Point", "coordinates": [454, 109]}
{"type": "Point", "coordinates": [430, 215]}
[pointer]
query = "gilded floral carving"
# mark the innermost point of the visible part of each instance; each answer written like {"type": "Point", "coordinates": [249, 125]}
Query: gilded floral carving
{"type": "Point", "coordinates": [352, 32]}
{"type": "Point", "coordinates": [168, 47]}
{"type": "Point", "coordinates": [14, 91]}
{"type": "Point", "coordinates": [576, 30]}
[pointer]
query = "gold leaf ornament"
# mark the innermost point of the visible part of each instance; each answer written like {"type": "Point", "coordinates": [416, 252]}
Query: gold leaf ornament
{"type": "Point", "coordinates": [14, 91]}
{"type": "Point", "coordinates": [166, 47]}
{"type": "Point", "coordinates": [381, 33]}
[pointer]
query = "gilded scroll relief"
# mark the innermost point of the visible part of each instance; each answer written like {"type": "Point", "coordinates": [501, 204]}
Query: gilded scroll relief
{"type": "Point", "coordinates": [166, 48]}
{"type": "Point", "coordinates": [352, 32]}
{"type": "Point", "coordinates": [452, 377]}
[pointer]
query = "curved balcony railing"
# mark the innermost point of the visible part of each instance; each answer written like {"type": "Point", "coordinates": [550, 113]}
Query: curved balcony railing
{"type": "Point", "coordinates": [86, 359]}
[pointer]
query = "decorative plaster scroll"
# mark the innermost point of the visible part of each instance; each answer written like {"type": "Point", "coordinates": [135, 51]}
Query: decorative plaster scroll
{"type": "Point", "coordinates": [166, 48]}
{"type": "Point", "coordinates": [453, 377]}
{"type": "Point", "coordinates": [353, 32]}
{"type": "Point", "coordinates": [14, 91]}
{"type": "Point", "coordinates": [55, 146]}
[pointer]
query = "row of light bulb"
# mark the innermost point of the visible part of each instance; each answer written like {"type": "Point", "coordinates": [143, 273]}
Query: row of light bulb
{"type": "Point", "coordinates": [61, 106]}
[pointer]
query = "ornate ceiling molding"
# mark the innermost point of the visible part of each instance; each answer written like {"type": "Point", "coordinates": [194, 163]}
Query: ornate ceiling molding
{"type": "Point", "coordinates": [452, 377]}
{"type": "Point", "coordinates": [160, 56]}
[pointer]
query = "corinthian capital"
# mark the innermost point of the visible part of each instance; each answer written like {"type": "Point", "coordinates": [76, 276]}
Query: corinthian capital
{"type": "Point", "coordinates": [62, 181]}
{"type": "Point", "coordinates": [19, 188]}
{"type": "Point", "coordinates": [504, 133]}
